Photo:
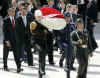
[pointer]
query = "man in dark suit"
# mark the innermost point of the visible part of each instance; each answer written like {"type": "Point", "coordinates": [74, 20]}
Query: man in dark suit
{"type": "Point", "coordinates": [23, 34]}
{"type": "Point", "coordinates": [9, 38]}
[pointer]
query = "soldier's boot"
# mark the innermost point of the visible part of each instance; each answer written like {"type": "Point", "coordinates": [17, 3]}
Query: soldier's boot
{"type": "Point", "coordinates": [41, 73]}
{"type": "Point", "coordinates": [68, 74]}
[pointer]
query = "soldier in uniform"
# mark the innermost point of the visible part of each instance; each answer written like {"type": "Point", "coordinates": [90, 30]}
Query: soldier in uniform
{"type": "Point", "coordinates": [66, 46]}
{"type": "Point", "coordinates": [40, 36]}
{"type": "Point", "coordinates": [80, 39]}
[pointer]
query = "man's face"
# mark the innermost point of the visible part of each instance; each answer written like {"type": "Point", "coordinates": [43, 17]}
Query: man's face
{"type": "Point", "coordinates": [79, 26]}
{"type": "Point", "coordinates": [19, 6]}
{"type": "Point", "coordinates": [24, 11]}
{"type": "Point", "coordinates": [11, 12]}
{"type": "Point", "coordinates": [75, 10]}
{"type": "Point", "coordinates": [69, 9]}
{"type": "Point", "coordinates": [38, 18]}
{"type": "Point", "coordinates": [67, 19]}
{"type": "Point", "coordinates": [14, 3]}
{"type": "Point", "coordinates": [51, 2]}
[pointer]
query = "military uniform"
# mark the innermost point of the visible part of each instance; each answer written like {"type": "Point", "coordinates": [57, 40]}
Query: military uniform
{"type": "Point", "coordinates": [80, 39]}
{"type": "Point", "coordinates": [40, 37]}
{"type": "Point", "coordinates": [81, 51]}
{"type": "Point", "coordinates": [66, 47]}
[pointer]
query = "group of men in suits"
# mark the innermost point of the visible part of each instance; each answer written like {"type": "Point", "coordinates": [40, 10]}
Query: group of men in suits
{"type": "Point", "coordinates": [17, 36]}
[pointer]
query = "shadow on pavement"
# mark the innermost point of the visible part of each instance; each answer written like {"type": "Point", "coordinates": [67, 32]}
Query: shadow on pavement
{"type": "Point", "coordinates": [94, 65]}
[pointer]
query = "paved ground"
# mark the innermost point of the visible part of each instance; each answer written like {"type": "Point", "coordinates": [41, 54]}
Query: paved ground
{"type": "Point", "coordinates": [52, 71]}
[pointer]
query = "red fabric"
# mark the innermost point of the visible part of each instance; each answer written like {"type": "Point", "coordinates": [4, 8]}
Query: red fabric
{"type": "Point", "coordinates": [51, 11]}
{"type": "Point", "coordinates": [13, 23]}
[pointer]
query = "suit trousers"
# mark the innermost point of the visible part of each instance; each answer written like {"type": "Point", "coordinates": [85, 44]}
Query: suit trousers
{"type": "Point", "coordinates": [20, 49]}
{"type": "Point", "coordinates": [6, 53]}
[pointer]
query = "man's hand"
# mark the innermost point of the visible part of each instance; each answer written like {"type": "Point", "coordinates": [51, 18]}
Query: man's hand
{"type": "Point", "coordinates": [90, 54]}
{"type": "Point", "coordinates": [45, 31]}
{"type": "Point", "coordinates": [80, 41]}
{"type": "Point", "coordinates": [8, 44]}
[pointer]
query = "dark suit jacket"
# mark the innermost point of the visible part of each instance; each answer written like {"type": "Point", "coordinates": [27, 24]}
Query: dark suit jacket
{"type": "Point", "coordinates": [22, 33]}
{"type": "Point", "coordinates": [39, 35]}
{"type": "Point", "coordinates": [92, 12]}
{"type": "Point", "coordinates": [8, 31]}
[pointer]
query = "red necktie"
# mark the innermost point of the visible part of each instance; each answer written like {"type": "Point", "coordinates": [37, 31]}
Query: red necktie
{"type": "Point", "coordinates": [13, 23]}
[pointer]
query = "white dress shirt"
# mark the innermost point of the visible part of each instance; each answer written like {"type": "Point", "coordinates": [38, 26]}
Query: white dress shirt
{"type": "Point", "coordinates": [24, 20]}
{"type": "Point", "coordinates": [11, 18]}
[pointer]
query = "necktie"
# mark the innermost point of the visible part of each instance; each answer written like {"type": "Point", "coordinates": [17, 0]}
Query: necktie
{"type": "Point", "coordinates": [13, 23]}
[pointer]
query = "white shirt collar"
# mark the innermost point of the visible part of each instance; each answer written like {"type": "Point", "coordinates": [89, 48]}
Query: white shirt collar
{"type": "Point", "coordinates": [23, 16]}
{"type": "Point", "coordinates": [24, 20]}
{"type": "Point", "coordinates": [11, 17]}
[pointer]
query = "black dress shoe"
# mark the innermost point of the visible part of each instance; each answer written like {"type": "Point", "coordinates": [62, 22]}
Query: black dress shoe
{"type": "Point", "coordinates": [19, 70]}
{"type": "Point", "coordinates": [42, 72]}
{"type": "Point", "coordinates": [6, 69]}
{"type": "Point", "coordinates": [31, 65]}
{"type": "Point", "coordinates": [60, 65]}
{"type": "Point", "coordinates": [52, 63]}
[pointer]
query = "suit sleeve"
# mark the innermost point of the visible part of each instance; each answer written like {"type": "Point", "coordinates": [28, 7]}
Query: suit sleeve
{"type": "Point", "coordinates": [5, 31]}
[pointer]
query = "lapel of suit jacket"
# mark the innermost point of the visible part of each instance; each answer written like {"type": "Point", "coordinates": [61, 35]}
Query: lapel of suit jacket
{"type": "Point", "coordinates": [22, 22]}
{"type": "Point", "coordinates": [27, 21]}
{"type": "Point", "coordinates": [10, 23]}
